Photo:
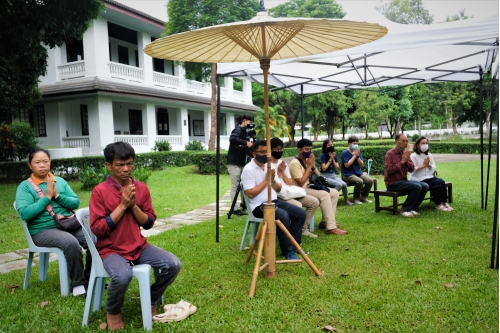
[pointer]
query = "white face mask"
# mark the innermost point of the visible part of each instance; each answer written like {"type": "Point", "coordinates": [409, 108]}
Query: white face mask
{"type": "Point", "coordinates": [424, 148]}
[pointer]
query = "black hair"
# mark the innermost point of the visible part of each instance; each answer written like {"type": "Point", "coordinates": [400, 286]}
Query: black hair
{"type": "Point", "coordinates": [119, 150]}
{"type": "Point", "coordinates": [258, 143]}
{"type": "Point", "coordinates": [325, 142]}
{"type": "Point", "coordinates": [304, 143]}
{"type": "Point", "coordinates": [37, 150]}
{"type": "Point", "coordinates": [276, 142]}
{"type": "Point", "coordinates": [415, 146]}
{"type": "Point", "coordinates": [352, 138]}
{"type": "Point", "coordinates": [397, 136]}
{"type": "Point", "coordinates": [245, 117]}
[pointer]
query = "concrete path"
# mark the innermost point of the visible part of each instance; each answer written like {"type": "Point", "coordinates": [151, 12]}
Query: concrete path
{"type": "Point", "coordinates": [18, 259]}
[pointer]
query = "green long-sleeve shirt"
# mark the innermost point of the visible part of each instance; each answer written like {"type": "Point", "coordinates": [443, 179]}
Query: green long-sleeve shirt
{"type": "Point", "coordinates": [33, 210]}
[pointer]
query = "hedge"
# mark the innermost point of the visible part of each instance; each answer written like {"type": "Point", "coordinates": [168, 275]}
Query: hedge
{"type": "Point", "coordinates": [206, 160]}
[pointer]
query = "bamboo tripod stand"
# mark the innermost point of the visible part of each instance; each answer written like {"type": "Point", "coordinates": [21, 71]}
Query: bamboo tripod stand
{"type": "Point", "coordinates": [267, 235]}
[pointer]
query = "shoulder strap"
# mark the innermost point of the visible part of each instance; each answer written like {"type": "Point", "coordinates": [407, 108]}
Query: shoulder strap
{"type": "Point", "coordinates": [40, 194]}
{"type": "Point", "coordinates": [301, 162]}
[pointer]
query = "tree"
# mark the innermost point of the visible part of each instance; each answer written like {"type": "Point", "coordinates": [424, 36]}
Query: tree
{"type": "Point", "coordinates": [371, 109]}
{"type": "Point", "coordinates": [277, 124]}
{"type": "Point", "coordinates": [25, 138]}
{"type": "Point", "coordinates": [457, 17]}
{"type": "Point", "coordinates": [187, 15]}
{"type": "Point", "coordinates": [26, 29]}
{"type": "Point", "coordinates": [419, 98]}
{"type": "Point", "coordinates": [308, 8]}
{"type": "Point", "coordinates": [406, 12]}
{"type": "Point", "coordinates": [399, 109]}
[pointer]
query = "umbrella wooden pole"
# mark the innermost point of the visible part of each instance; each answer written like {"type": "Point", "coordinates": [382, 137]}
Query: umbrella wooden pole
{"type": "Point", "coordinates": [269, 216]}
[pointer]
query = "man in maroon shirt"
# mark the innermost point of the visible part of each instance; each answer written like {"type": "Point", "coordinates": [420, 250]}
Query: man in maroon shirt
{"type": "Point", "coordinates": [119, 207]}
{"type": "Point", "coordinates": [397, 165]}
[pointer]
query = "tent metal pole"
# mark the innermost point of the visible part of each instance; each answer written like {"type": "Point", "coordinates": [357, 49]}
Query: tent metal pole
{"type": "Point", "coordinates": [489, 146]}
{"type": "Point", "coordinates": [494, 235]}
{"type": "Point", "coordinates": [302, 107]}
{"type": "Point", "coordinates": [481, 132]}
{"type": "Point", "coordinates": [217, 162]}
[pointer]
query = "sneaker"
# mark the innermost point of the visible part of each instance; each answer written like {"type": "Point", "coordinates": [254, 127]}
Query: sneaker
{"type": "Point", "coordinates": [336, 231]}
{"type": "Point", "coordinates": [349, 203]}
{"type": "Point", "coordinates": [297, 252]}
{"type": "Point", "coordinates": [442, 208]}
{"type": "Point", "coordinates": [365, 200]}
{"type": "Point", "coordinates": [414, 213]}
{"type": "Point", "coordinates": [406, 214]}
{"type": "Point", "coordinates": [448, 206]}
{"type": "Point", "coordinates": [357, 202]}
{"type": "Point", "coordinates": [291, 256]}
{"type": "Point", "coordinates": [307, 233]}
{"type": "Point", "coordinates": [239, 212]}
{"type": "Point", "coordinates": [322, 225]}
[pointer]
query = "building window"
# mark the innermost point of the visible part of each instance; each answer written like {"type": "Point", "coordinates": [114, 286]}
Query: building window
{"type": "Point", "coordinates": [84, 116]}
{"type": "Point", "coordinates": [135, 122]}
{"type": "Point", "coordinates": [158, 65]}
{"type": "Point", "coordinates": [162, 121]}
{"type": "Point", "coordinates": [122, 55]}
{"type": "Point", "coordinates": [5, 117]}
{"type": "Point", "coordinates": [136, 58]}
{"type": "Point", "coordinates": [74, 51]}
{"type": "Point", "coordinates": [36, 118]}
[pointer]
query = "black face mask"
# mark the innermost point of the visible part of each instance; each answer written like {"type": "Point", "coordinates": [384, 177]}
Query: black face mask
{"type": "Point", "coordinates": [261, 158]}
{"type": "Point", "coordinates": [331, 149]}
{"type": "Point", "coordinates": [276, 154]}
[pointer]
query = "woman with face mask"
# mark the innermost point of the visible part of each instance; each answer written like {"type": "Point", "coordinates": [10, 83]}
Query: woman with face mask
{"type": "Point", "coordinates": [329, 168]}
{"type": "Point", "coordinates": [424, 172]}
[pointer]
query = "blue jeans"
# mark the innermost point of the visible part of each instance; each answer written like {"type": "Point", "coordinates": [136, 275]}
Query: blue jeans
{"type": "Point", "coordinates": [416, 192]}
{"type": "Point", "coordinates": [71, 244]}
{"type": "Point", "coordinates": [293, 219]}
{"type": "Point", "coordinates": [120, 270]}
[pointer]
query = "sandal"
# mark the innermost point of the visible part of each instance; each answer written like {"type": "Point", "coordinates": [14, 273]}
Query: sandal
{"type": "Point", "coordinates": [406, 214]}
{"type": "Point", "coordinates": [175, 312]}
{"type": "Point", "coordinates": [442, 208]}
{"type": "Point", "coordinates": [448, 206]}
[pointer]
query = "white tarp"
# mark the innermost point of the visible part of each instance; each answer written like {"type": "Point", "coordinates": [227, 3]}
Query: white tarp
{"type": "Point", "coordinates": [408, 54]}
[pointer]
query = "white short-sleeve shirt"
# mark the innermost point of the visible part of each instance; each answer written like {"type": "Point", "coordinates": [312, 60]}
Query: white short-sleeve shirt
{"type": "Point", "coordinates": [252, 176]}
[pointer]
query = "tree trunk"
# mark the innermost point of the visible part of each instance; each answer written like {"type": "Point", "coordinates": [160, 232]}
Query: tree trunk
{"type": "Point", "coordinates": [419, 126]}
{"type": "Point", "coordinates": [366, 131]}
{"type": "Point", "coordinates": [453, 122]}
{"type": "Point", "coordinates": [213, 108]}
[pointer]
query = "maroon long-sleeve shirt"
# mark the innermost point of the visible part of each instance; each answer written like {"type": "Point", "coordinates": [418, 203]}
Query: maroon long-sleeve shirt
{"type": "Point", "coordinates": [394, 170]}
{"type": "Point", "coordinates": [125, 239]}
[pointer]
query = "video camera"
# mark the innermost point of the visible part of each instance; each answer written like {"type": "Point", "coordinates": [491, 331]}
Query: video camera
{"type": "Point", "coordinates": [251, 133]}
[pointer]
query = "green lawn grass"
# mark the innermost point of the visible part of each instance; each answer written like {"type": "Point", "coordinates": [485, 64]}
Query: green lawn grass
{"type": "Point", "coordinates": [386, 275]}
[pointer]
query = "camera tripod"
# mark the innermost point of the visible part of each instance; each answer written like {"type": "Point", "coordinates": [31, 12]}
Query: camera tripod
{"type": "Point", "coordinates": [238, 189]}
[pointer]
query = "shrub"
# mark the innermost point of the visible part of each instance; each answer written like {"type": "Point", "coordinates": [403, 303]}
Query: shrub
{"type": "Point", "coordinates": [414, 137]}
{"type": "Point", "coordinates": [90, 178]}
{"type": "Point", "coordinates": [24, 138]}
{"type": "Point", "coordinates": [162, 146]}
{"type": "Point", "coordinates": [141, 174]}
{"type": "Point", "coordinates": [455, 138]}
{"type": "Point", "coordinates": [195, 145]}
{"type": "Point", "coordinates": [7, 144]}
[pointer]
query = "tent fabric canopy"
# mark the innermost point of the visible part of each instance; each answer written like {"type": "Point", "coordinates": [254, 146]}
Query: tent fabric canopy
{"type": "Point", "coordinates": [408, 54]}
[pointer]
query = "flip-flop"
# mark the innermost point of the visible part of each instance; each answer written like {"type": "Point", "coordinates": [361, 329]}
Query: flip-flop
{"type": "Point", "coordinates": [175, 312]}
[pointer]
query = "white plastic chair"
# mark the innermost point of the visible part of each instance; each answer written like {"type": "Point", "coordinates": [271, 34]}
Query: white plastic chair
{"type": "Point", "coordinates": [98, 277]}
{"type": "Point", "coordinates": [251, 219]}
{"type": "Point", "coordinates": [43, 262]}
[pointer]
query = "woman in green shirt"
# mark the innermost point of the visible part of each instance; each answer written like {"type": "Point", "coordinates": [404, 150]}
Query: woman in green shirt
{"type": "Point", "coordinates": [42, 226]}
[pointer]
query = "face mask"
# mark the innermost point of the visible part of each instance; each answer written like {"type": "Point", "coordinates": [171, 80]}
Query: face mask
{"type": "Point", "coordinates": [331, 149]}
{"type": "Point", "coordinates": [277, 154]}
{"type": "Point", "coordinates": [354, 147]}
{"type": "Point", "coordinates": [424, 148]}
{"type": "Point", "coordinates": [306, 154]}
{"type": "Point", "coordinates": [261, 159]}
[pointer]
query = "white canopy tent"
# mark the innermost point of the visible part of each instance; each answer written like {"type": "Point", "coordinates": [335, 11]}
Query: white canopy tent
{"type": "Point", "coordinates": [408, 54]}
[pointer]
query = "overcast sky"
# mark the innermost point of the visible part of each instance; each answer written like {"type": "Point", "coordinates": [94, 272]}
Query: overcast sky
{"type": "Point", "coordinates": [438, 8]}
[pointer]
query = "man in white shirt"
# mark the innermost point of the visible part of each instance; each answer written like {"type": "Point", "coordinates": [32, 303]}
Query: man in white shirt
{"type": "Point", "coordinates": [254, 183]}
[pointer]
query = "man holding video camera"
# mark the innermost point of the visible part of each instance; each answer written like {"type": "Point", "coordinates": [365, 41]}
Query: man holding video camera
{"type": "Point", "coordinates": [237, 155]}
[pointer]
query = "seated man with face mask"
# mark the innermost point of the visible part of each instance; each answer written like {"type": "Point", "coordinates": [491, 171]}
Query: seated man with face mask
{"type": "Point", "coordinates": [352, 162]}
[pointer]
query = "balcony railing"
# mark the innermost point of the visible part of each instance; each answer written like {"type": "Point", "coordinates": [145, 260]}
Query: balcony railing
{"type": "Point", "coordinates": [172, 139]}
{"type": "Point", "coordinates": [126, 72]}
{"type": "Point", "coordinates": [76, 142]}
{"type": "Point", "coordinates": [196, 86]}
{"type": "Point", "coordinates": [161, 79]}
{"type": "Point", "coordinates": [239, 96]}
{"type": "Point", "coordinates": [72, 70]}
{"type": "Point", "coordinates": [133, 140]}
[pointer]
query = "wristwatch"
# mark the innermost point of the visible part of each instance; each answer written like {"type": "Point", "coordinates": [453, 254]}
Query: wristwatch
{"type": "Point", "coordinates": [273, 182]}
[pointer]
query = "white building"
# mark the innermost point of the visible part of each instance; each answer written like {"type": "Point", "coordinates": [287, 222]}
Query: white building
{"type": "Point", "coordinates": [105, 89]}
